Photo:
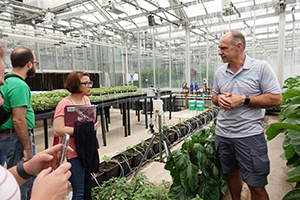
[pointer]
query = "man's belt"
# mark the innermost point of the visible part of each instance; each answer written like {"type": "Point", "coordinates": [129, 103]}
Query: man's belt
{"type": "Point", "coordinates": [9, 131]}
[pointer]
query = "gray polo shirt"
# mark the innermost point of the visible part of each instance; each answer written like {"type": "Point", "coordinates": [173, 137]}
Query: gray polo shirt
{"type": "Point", "coordinates": [256, 77]}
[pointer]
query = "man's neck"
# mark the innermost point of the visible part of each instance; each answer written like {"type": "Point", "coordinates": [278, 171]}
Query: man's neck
{"type": "Point", "coordinates": [236, 65]}
{"type": "Point", "coordinates": [19, 72]}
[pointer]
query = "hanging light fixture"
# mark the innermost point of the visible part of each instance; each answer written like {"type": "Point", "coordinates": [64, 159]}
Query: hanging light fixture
{"type": "Point", "coordinates": [151, 20]}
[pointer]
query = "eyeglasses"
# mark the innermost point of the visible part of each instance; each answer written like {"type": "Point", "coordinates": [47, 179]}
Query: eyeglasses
{"type": "Point", "coordinates": [87, 83]}
{"type": "Point", "coordinates": [36, 63]}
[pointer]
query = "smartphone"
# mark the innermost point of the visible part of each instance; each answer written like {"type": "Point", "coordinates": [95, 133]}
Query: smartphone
{"type": "Point", "coordinates": [63, 151]}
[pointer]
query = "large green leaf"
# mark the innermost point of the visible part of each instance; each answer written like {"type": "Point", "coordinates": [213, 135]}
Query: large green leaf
{"type": "Point", "coordinates": [210, 190]}
{"type": "Point", "coordinates": [292, 195]}
{"type": "Point", "coordinates": [289, 110]}
{"type": "Point", "coordinates": [293, 159]}
{"type": "Point", "coordinates": [197, 149]}
{"type": "Point", "coordinates": [291, 121]}
{"type": "Point", "coordinates": [294, 175]}
{"type": "Point", "coordinates": [286, 142]}
{"type": "Point", "coordinates": [210, 149]}
{"type": "Point", "coordinates": [170, 164]}
{"type": "Point", "coordinates": [289, 152]}
{"type": "Point", "coordinates": [189, 178]}
{"type": "Point", "coordinates": [215, 172]}
{"type": "Point", "coordinates": [177, 192]}
{"type": "Point", "coordinates": [277, 128]}
{"type": "Point", "coordinates": [294, 135]}
{"type": "Point", "coordinates": [181, 160]}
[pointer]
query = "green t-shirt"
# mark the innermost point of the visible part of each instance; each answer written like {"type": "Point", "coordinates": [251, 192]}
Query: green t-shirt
{"type": "Point", "coordinates": [16, 93]}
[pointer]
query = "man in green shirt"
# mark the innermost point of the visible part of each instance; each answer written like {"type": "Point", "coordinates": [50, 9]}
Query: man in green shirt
{"type": "Point", "coordinates": [16, 139]}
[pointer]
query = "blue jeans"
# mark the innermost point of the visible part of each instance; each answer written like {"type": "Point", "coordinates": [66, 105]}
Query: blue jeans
{"type": "Point", "coordinates": [77, 178]}
{"type": "Point", "coordinates": [2, 158]}
{"type": "Point", "coordinates": [12, 148]}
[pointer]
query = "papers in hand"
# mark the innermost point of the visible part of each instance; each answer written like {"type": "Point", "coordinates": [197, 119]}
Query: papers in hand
{"type": "Point", "coordinates": [79, 114]}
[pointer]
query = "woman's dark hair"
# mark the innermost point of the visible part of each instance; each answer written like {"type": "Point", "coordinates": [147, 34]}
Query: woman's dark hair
{"type": "Point", "coordinates": [73, 81]}
{"type": "Point", "coordinates": [21, 56]}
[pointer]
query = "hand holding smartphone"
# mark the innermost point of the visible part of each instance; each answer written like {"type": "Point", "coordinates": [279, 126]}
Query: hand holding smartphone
{"type": "Point", "coordinates": [63, 151]}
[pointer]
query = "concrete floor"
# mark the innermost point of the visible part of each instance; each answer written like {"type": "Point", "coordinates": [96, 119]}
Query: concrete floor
{"type": "Point", "coordinates": [116, 142]}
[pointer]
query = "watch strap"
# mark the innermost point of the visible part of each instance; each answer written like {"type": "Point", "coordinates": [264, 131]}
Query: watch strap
{"type": "Point", "coordinates": [20, 169]}
{"type": "Point", "coordinates": [247, 100]}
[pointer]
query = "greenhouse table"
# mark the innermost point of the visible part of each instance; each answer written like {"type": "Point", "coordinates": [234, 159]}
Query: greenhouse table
{"type": "Point", "coordinates": [44, 117]}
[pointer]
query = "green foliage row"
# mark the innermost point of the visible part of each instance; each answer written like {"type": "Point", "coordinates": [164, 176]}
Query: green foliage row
{"type": "Point", "coordinates": [290, 126]}
{"type": "Point", "coordinates": [49, 100]}
{"type": "Point", "coordinates": [195, 169]}
{"type": "Point", "coordinates": [139, 188]}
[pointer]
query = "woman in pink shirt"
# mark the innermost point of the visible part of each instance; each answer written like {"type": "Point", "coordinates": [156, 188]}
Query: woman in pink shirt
{"type": "Point", "coordinates": [79, 84]}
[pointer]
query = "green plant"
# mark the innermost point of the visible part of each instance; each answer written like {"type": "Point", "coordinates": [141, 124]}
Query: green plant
{"type": "Point", "coordinates": [290, 126]}
{"type": "Point", "coordinates": [139, 188]}
{"type": "Point", "coordinates": [106, 158]}
{"type": "Point", "coordinates": [195, 168]}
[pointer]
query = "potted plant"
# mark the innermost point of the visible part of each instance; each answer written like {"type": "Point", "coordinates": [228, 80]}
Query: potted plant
{"type": "Point", "coordinates": [125, 161]}
{"type": "Point", "coordinates": [195, 168]}
{"type": "Point", "coordinates": [289, 117]}
{"type": "Point", "coordinates": [136, 154]}
{"type": "Point", "coordinates": [138, 188]}
{"type": "Point", "coordinates": [110, 169]}
{"type": "Point", "coordinates": [143, 146]}
{"type": "Point", "coordinates": [155, 144]}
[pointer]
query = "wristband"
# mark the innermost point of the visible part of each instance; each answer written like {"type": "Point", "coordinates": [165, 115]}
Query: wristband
{"type": "Point", "coordinates": [247, 100]}
{"type": "Point", "coordinates": [20, 169]}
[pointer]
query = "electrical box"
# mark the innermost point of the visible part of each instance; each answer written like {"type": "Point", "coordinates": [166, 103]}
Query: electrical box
{"type": "Point", "coordinates": [158, 107]}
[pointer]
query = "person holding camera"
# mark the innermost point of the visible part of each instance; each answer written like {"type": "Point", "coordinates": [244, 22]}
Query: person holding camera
{"type": "Point", "coordinates": [48, 185]}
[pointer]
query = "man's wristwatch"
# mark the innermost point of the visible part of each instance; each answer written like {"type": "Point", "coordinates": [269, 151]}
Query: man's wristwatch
{"type": "Point", "coordinates": [20, 169]}
{"type": "Point", "coordinates": [247, 100]}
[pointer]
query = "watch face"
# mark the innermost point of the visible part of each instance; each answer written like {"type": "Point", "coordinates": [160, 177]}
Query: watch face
{"type": "Point", "coordinates": [247, 100]}
{"type": "Point", "coordinates": [25, 159]}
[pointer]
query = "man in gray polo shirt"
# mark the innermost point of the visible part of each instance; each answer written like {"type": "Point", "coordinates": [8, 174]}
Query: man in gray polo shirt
{"type": "Point", "coordinates": [243, 87]}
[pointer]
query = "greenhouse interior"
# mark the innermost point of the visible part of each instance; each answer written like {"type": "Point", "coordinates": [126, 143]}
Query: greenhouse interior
{"type": "Point", "coordinates": [153, 65]}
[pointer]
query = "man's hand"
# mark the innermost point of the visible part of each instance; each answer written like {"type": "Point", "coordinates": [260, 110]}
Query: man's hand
{"type": "Point", "coordinates": [229, 101]}
{"type": "Point", "coordinates": [27, 153]}
{"type": "Point", "coordinates": [52, 185]}
{"type": "Point", "coordinates": [43, 160]}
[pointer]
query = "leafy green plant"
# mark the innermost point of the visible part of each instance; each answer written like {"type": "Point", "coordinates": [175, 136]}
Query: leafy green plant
{"type": "Point", "coordinates": [195, 168]}
{"type": "Point", "coordinates": [139, 188]}
{"type": "Point", "coordinates": [290, 126]}
{"type": "Point", "coordinates": [106, 158]}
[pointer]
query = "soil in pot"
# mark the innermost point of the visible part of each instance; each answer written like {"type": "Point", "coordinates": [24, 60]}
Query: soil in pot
{"type": "Point", "coordinates": [125, 162]}
{"type": "Point", "coordinates": [171, 136]}
{"type": "Point", "coordinates": [137, 155]}
{"type": "Point", "coordinates": [183, 129]}
{"type": "Point", "coordinates": [155, 144]}
{"type": "Point", "coordinates": [143, 147]}
{"type": "Point", "coordinates": [111, 169]}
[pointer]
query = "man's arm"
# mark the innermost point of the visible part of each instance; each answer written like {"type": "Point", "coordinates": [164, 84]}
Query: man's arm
{"type": "Point", "coordinates": [21, 128]}
{"type": "Point", "coordinates": [222, 101]}
{"type": "Point", "coordinates": [267, 100]}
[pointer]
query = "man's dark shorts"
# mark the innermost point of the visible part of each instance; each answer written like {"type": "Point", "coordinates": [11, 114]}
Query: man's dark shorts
{"type": "Point", "coordinates": [249, 154]}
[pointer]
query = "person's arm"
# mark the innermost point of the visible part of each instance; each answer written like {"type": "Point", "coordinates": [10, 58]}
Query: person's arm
{"type": "Point", "coordinates": [261, 101]}
{"type": "Point", "coordinates": [43, 160]}
{"type": "Point", "coordinates": [21, 128]}
{"type": "Point", "coordinates": [59, 128]}
{"type": "Point", "coordinates": [221, 100]}
{"type": "Point", "coordinates": [52, 185]}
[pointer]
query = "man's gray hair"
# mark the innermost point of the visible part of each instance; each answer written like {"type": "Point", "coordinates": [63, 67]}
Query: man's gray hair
{"type": "Point", "coordinates": [238, 37]}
